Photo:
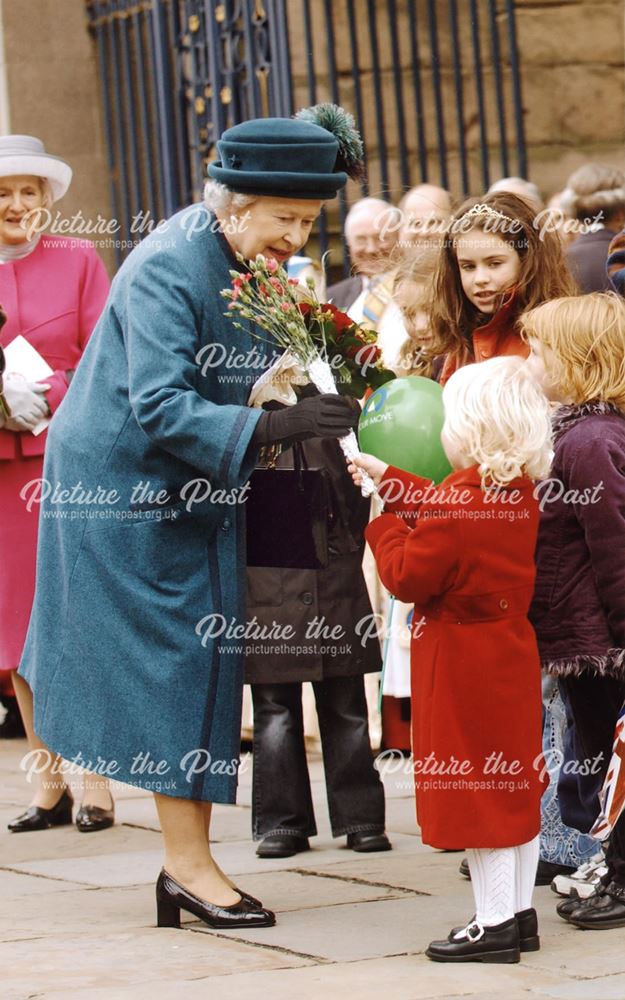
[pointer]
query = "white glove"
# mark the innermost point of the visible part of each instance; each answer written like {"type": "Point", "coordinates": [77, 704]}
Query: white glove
{"type": "Point", "coordinates": [26, 402]}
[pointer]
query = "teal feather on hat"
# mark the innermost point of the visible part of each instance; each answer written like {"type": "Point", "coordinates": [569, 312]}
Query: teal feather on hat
{"type": "Point", "coordinates": [341, 124]}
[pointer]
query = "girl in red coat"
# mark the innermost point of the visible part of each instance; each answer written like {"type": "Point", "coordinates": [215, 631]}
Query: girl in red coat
{"type": "Point", "coordinates": [463, 552]}
{"type": "Point", "coordinates": [496, 262]}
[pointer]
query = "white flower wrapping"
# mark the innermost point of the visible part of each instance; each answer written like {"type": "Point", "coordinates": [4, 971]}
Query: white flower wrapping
{"type": "Point", "coordinates": [277, 384]}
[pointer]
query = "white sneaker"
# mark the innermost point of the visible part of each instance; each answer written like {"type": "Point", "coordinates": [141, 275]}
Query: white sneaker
{"type": "Point", "coordinates": [584, 880]}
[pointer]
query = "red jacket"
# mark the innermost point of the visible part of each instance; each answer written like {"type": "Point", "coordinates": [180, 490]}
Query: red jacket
{"type": "Point", "coordinates": [468, 566]}
{"type": "Point", "coordinates": [497, 338]}
{"type": "Point", "coordinates": [54, 298]}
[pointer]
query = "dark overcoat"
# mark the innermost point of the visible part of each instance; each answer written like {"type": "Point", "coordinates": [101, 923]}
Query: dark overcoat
{"type": "Point", "coordinates": [578, 609]}
{"type": "Point", "coordinates": [130, 672]}
{"type": "Point", "coordinates": [328, 609]}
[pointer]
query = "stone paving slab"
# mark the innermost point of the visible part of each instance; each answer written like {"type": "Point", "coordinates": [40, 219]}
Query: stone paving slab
{"type": "Point", "coordinates": [400, 978]}
{"type": "Point", "coordinates": [241, 857]}
{"type": "Point", "coordinates": [67, 966]}
{"type": "Point", "coordinates": [16, 886]}
{"type": "Point", "coordinates": [287, 891]}
{"type": "Point", "coordinates": [78, 917]}
{"type": "Point", "coordinates": [590, 954]}
{"type": "Point", "coordinates": [352, 932]}
{"type": "Point", "coordinates": [65, 843]}
{"type": "Point", "coordinates": [606, 988]}
{"type": "Point", "coordinates": [420, 869]}
{"type": "Point", "coordinates": [100, 911]}
{"type": "Point", "coordinates": [104, 910]}
{"type": "Point", "coordinates": [123, 868]}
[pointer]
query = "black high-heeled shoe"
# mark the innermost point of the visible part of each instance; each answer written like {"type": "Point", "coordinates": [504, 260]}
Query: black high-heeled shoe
{"type": "Point", "coordinates": [248, 899]}
{"type": "Point", "coordinates": [90, 819]}
{"type": "Point", "coordinates": [36, 818]}
{"type": "Point", "coordinates": [171, 898]}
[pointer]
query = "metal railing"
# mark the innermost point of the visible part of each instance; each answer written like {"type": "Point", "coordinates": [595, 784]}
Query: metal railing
{"type": "Point", "coordinates": [434, 86]}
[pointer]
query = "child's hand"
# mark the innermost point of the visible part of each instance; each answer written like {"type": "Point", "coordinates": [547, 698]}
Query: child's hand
{"type": "Point", "coordinates": [366, 463]}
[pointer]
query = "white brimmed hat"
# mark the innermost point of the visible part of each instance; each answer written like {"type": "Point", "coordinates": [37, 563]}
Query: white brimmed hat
{"type": "Point", "coordinates": [24, 154]}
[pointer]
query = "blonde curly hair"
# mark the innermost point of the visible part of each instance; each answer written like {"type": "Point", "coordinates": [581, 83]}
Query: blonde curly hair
{"type": "Point", "coordinates": [497, 417]}
{"type": "Point", "coordinates": [585, 337]}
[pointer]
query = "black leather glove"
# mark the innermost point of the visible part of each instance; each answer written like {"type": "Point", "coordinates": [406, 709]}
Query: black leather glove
{"type": "Point", "coordinates": [321, 416]}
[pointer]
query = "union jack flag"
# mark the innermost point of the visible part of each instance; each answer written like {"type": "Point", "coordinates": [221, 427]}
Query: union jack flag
{"type": "Point", "coordinates": [612, 794]}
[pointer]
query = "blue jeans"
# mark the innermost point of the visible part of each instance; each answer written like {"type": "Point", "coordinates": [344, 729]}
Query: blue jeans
{"type": "Point", "coordinates": [560, 843]}
{"type": "Point", "coordinates": [281, 796]}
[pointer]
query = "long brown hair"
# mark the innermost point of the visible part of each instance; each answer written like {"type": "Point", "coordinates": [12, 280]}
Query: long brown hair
{"type": "Point", "coordinates": [544, 274]}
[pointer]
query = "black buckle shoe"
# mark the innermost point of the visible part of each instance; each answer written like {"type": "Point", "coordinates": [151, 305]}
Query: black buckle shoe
{"type": "Point", "coordinates": [499, 944]}
{"type": "Point", "coordinates": [171, 898]}
{"type": "Point", "coordinates": [604, 910]}
{"type": "Point", "coordinates": [282, 845]}
{"type": "Point", "coordinates": [528, 930]}
{"type": "Point", "coordinates": [367, 843]}
{"type": "Point", "coordinates": [36, 818]}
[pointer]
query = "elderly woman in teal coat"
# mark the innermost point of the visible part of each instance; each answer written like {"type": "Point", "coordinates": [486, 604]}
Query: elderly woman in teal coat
{"type": "Point", "coordinates": [143, 502]}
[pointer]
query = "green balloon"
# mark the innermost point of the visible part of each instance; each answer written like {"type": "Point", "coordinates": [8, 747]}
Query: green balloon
{"type": "Point", "coordinates": [401, 424]}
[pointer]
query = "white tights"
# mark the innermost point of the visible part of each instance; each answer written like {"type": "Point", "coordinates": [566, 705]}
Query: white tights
{"type": "Point", "coordinates": [502, 880]}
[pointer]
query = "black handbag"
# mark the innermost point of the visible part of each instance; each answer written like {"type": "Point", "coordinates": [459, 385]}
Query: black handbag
{"type": "Point", "coordinates": [287, 513]}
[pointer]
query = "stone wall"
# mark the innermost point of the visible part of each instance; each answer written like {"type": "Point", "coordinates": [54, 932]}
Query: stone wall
{"type": "Point", "coordinates": [571, 57]}
{"type": "Point", "coordinates": [572, 74]}
{"type": "Point", "coordinates": [53, 93]}
{"type": "Point", "coordinates": [573, 63]}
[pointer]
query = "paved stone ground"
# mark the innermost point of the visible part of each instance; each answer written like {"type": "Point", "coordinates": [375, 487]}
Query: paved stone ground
{"type": "Point", "coordinates": [77, 917]}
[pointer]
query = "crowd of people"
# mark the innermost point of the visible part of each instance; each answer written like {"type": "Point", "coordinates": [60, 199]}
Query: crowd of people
{"type": "Point", "coordinates": [515, 308]}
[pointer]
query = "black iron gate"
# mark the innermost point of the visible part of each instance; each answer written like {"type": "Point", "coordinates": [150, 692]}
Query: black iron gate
{"type": "Point", "coordinates": [434, 86]}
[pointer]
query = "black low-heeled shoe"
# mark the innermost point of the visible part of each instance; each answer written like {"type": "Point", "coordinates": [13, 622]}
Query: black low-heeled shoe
{"type": "Point", "coordinates": [90, 819]}
{"type": "Point", "coordinates": [171, 898]}
{"type": "Point", "coordinates": [528, 930]}
{"type": "Point", "coordinates": [367, 842]}
{"type": "Point", "coordinates": [36, 818]}
{"type": "Point", "coordinates": [480, 944]}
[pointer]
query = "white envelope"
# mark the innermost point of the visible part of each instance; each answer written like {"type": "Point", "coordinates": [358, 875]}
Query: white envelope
{"type": "Point", "coordinates": [23, 359]}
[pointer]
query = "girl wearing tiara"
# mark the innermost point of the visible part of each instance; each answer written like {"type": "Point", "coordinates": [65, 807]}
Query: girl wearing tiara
{"type": "Point", "coordinates": [493, 266]}
{"type": "Point", "coordinates": [463, 553]}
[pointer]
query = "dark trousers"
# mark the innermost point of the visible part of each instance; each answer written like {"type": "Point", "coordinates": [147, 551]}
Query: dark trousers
{"type": "Point", "coordinates": [281, 796]}
{"type": "Point", "coordinates": [594, 704]}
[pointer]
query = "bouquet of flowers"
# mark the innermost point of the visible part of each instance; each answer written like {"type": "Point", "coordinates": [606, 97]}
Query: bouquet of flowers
{"type": "Point", "coordinates": [336, 354]}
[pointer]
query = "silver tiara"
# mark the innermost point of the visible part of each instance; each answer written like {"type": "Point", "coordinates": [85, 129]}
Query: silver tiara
{"type": "Point", "coordinates": [484, 211]}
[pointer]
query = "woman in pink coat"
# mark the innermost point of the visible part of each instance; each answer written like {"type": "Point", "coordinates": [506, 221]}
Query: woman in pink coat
{"type": "Point", "coordinates": [52, 290]}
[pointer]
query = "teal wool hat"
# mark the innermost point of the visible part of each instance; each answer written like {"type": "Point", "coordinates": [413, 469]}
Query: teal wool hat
{"type": "Point", "coordinates": [290, 157]}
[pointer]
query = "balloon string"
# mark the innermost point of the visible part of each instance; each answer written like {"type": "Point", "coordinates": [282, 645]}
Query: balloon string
{"type": "Point", "coordinates": [387, 642]}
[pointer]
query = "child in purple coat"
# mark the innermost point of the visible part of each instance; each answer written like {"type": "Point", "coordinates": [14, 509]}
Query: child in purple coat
{"type": "Point", "coordinates": [578, 355]}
